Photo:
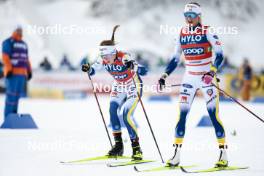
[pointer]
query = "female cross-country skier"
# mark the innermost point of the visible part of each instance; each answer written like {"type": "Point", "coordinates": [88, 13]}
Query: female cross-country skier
{"type": "Point", "coordinates": [124, 69]}
{"type": "Point", "coordinates": [197, 42]}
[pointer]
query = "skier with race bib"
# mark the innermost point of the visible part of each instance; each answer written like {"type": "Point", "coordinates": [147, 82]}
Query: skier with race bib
{"type": "Point", "coordinates": [197, 43]}
{"type": "Point", "coordinates": [127, 82]}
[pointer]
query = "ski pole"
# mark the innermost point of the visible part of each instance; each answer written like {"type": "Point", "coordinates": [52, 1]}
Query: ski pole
{"type": "Point", "coordinates": [99, 107]}
{"type": "Point", "coordinates": [168, 86]}
{"type": "Point", "coordinates": [174, 85]}
{"type": "Point", "coordinates": [232, 98]}
{"type": "Point", "coordinates": [145, 113]}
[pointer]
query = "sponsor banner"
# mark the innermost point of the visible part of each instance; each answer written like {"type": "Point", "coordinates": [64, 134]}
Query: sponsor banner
{"type": "Point", "coordinates": [77, 85]}
{"type": "Point", "coordinates": [46, 93]}
{"type": "Point", "coordinates": [234, 85]}
{"type": "Point", "coordinates": [69, 84]}
{"type": "Point", "coordinates": [60, 81]}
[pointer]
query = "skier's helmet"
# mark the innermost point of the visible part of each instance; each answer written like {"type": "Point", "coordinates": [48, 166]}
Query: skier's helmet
{"type": "Point", "coordinates": [192, 9]}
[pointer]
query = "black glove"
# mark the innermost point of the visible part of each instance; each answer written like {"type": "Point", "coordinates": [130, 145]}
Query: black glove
{"type": "Point", "coordinates": [162, 81]}
{"type": "Point", "coordinates": [9, 74]}
{"type": "Point", "coordinates": [86, 67]}
{"type": "Point", "coordinates": [129, 64]}
{"type": "Point", "coordinates": [29, 76]}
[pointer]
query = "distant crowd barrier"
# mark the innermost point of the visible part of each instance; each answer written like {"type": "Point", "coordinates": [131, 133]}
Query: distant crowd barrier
{"type": "Point", "coordinates": [61, 85]}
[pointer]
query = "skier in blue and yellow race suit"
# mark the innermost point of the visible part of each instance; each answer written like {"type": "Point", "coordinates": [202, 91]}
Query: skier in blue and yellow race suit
{"type": "Point", "coordinates": [126, 86]}
{"type": "Point", "coordinates": [197, 43]}
{"type": "Point", "coordinates": [17, 70]}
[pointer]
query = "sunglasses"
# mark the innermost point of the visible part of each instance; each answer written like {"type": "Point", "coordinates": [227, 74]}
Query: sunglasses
{"type": "Point", "coordinates": [106, 56]}
{"type": "Point", "coordinates": [190, 15]}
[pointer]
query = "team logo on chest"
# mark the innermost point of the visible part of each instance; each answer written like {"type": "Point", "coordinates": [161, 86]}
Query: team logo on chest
{"type": "Point", "coordinates": [113, 68]}
{"type": "Point", "coordinates": [191, 38]}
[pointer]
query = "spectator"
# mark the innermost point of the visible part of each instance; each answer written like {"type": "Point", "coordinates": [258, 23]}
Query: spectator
{"type": "Point", "coordinates": [262, 71]}
{"type": "Point", "coordinates": [245, 74]}
{"type": "Point", "coordinates": [17, 70]}
{"type": "Point", "coordinates": [142, 61]}
{"type": "Point", "coordinates": [45, 64]}
{"type": "Point", "coordinates": [84, 60]}
{"type": "Point", "coordinates": [1, 70]}
{"type": "Point", "coordinates": [161, 62]}
{"type": "Point", "coordinates": [65, 63]}
{"type": "Point", "coordinates": [227, 64]}
{"type": "Point", "coordinates": [2, 87]}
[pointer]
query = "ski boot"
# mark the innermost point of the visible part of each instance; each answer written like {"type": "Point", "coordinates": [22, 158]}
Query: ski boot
{"type": "Point", "coordinates": [118, 148]}
{"type": "Point", "coordinates": [137, 153]}
{"type": "Point", "coordinates": [222, 161]}
{"type": "Point", "coordinates": [175, 160]}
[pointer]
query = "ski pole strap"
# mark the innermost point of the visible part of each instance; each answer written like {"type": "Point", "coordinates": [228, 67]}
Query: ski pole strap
{"type": "Point", "coordinates": [174, 85]}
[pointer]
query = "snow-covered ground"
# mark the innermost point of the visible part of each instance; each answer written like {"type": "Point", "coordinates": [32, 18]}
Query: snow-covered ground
{"type": "Point", "coordinates": [72, 129]}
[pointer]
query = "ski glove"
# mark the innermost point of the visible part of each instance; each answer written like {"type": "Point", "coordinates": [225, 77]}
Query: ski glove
{"type": "Point", "coordinates": [162, 81]}
{"type": "Point", "coordinates": [9, 74]}
{"type": "Point", "coordinates": [208, 77]}
{"type": "Point", "coordinates": [86, 67]}
{"type": "Point", "coordinates": [29, 76]}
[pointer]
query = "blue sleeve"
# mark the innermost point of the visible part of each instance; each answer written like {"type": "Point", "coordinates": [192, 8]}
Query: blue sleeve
{"type": "Point", "coordinates": [92, 71]}
{"type": "Point", "coordinates": [172, 65]}
{"type": "Point", "coordinates": [218, 60]}
{"type": "Point", "coordinates": [6, 47]}
{"type": "Point", "coordinates": [142, 70]}
{"type": "Point", "coordinates": [217, 47]}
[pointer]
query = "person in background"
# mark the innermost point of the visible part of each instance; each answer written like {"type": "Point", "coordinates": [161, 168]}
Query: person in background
{"type": "Point", "coordinates": [45, 64]}
{"type": "Point", "coordinates": [2, 89]}
{"type": "Point", "coordinates": [84, 60]}
{"type": "Point", "coordinates": [1, 70]}
{"type": "Point", "coordinates": [140, 60]}
{"type": "Point", "coordinates": [65, 64]}
{"type": "Point", "coordinates": [17, 69]}
{"type": "Point", "coordinates": [245, 74]}
{"type": "Point", "coordinates": [161, 62]}
{"type": "Point", "coordinates": [262, 71]}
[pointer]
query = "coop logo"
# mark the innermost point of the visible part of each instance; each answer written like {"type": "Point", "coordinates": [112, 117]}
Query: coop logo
{"type": "Point", "coordinates": [190, 51]}
{"type": "Point", "coordinates": [120, 76]}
